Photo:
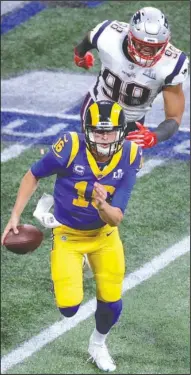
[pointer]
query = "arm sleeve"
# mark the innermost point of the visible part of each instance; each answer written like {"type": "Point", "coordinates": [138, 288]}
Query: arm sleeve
{"type": "Point", "coordinates": [56, 159]}
{"type": "Point", "coordinates": [46, 166]}
{"type": "Point", "coordinates": [84, 46]}
{"type": "Point", "coordinates": [123, 192]}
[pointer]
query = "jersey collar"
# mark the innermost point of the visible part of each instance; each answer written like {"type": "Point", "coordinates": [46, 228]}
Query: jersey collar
{"type": "Point", "coordinates": [107, 169]}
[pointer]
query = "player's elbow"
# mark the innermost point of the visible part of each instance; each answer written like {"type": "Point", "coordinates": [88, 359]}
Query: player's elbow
{"type": "Point", "coordinates": [29, 180]}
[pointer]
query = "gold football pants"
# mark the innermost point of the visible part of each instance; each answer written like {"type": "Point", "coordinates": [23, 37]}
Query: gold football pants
{"type": "Point", "coordinates": [105, 254]}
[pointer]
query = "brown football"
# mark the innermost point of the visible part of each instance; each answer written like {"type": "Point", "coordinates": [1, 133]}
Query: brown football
{"type": "Point", "coordinates": [27, 240]}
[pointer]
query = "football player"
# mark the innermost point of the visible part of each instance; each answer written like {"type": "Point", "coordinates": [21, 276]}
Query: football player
{"type": "Point", "coordinates": [137, 63]}
{"type": "Point", "coordinates": [96, 172]}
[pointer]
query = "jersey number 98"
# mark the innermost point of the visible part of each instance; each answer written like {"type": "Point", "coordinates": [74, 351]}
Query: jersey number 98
{"type": "Point", "coordinates": [131, 94]}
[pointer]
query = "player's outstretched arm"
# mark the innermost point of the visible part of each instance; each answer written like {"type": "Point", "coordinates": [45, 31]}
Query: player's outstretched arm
{"type": "Point", "coordinates": [27, 187]}
{"type": "Point", "coordinates": [110, 215]}
{"type": "Point", "coordinates": [174, 104]}
{"type": "Point", "coordinates": [84, 46]}
{"type": "Point", "coordinates": [82, 57]}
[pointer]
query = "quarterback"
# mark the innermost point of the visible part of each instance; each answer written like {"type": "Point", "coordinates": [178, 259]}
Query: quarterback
{"type": "Point", "coordinates": [95, 174]}
{"type": "Point", "coordinates": [137, 63]}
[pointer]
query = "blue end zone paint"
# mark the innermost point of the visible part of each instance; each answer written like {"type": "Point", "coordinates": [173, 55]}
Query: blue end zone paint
{"type": "Point", "coordinates": [21, 15]}
{"type": "Point", "coordinates": [93, 4]}
{"type": "Point", "coordinates": [39, 124]}
{"type": "Point", "coordinates": [18, 16]}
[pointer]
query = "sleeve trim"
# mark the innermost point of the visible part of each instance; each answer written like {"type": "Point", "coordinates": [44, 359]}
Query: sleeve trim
{"type": "Point", "coordinates": [176, 70]}
{"type": "Point", "coordinates": [97, 35]}
{"type": "Point", "coordinates": [133, 152]}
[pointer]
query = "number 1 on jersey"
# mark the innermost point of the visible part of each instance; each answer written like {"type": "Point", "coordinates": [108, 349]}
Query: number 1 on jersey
{"type": "Point", "coordinates": [81, 189]}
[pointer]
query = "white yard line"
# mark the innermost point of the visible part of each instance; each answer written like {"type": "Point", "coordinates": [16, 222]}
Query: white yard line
{"type": "Point", "coordinates": [13, 151]}
{"type": "Point", "coordinates": [42, 113]}
{"type": "Point", "coordinates": [149, 165]}
{"type": "Point", "coordinates": [9, 6]}
{"type": "Point", "coordinates": [48, 335]}
{"type": "Point", "coordinates": [64, 116]}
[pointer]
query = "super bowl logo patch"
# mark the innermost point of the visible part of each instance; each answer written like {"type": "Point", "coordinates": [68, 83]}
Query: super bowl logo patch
{"type": "Point", "coordinates": [118, 174]}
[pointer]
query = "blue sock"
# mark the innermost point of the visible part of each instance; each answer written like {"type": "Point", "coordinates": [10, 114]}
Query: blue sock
{"type": "Point", "coordinates": [107, 314]}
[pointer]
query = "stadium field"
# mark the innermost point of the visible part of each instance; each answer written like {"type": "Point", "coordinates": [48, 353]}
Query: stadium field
{"type": "Point", "coordinates": [42, 91]}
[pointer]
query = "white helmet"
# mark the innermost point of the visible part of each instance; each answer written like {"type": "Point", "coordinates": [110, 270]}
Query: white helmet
{"type": "Point", "coordinates": [148, 36]}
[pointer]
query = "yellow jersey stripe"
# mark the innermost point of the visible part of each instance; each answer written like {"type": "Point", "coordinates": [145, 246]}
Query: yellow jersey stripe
{"type": "Point", "coordinates": [115, 112]}
{"type": "Point", "coordinates": [133, 152]}
{"type": "Point", "coordinates": [94, 110]}
{"type": "Point", "coordinates": [75, 147]}
{"type": "Point", "coordinates": [108, 168]}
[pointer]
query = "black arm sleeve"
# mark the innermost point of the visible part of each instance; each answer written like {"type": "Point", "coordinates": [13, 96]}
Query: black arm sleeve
{"type": "Point", "coordinates": [84, 46]}
{"type": "Point", "coordinates": [166, 129]}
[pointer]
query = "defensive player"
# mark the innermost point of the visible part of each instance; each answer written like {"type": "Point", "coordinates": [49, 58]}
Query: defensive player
{"type": "Point", "coordinates": [96, 172]}
{"type": "Point", "coordinates": [137, 63]}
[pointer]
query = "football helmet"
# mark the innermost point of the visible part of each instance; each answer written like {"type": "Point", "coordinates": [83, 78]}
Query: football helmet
{"type": "Point", "coordinates": [104, 127]}
{"type": "Point", "coordinates": [148, 36]}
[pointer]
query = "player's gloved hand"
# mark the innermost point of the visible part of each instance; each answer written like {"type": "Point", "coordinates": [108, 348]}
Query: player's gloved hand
{"type": "Point", "coordinates": [143, 137]}
{"type": "Point", "coordinates": [86, 62]}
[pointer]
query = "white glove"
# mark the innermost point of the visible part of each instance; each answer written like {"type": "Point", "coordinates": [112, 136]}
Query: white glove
{"type": "Point", "coordinates": [42, 213]}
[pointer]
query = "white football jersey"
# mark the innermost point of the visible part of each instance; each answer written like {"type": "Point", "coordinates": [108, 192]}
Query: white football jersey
{"type": "Point", "coordinates": [132, 86]}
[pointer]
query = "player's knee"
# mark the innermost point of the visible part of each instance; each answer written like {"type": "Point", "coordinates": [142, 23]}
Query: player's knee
{"type": "Point", "coordinates": [68, 312]}
{"type": "Point", "coordinates": [107, 291]}
{"type": "Point", "coordinates": [107, 314]}
{"type": "Point", "coordinates": [67, 296]}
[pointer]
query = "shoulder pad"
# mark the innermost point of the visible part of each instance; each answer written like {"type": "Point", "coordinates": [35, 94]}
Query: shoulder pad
{"type": "Point", "coordinates": [179, 62]}
{"type": "Point", "coordinates": [114, 26]}
{"type": "Point", "coordinates": [97, 31]}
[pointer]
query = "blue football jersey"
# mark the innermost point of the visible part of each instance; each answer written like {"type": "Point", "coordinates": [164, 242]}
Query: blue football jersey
{"type": "Point", "coordinates": [76, 171]}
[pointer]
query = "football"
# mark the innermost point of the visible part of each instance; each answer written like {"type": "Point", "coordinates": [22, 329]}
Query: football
{"type": "Point", "coordinates": [26, 241]}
